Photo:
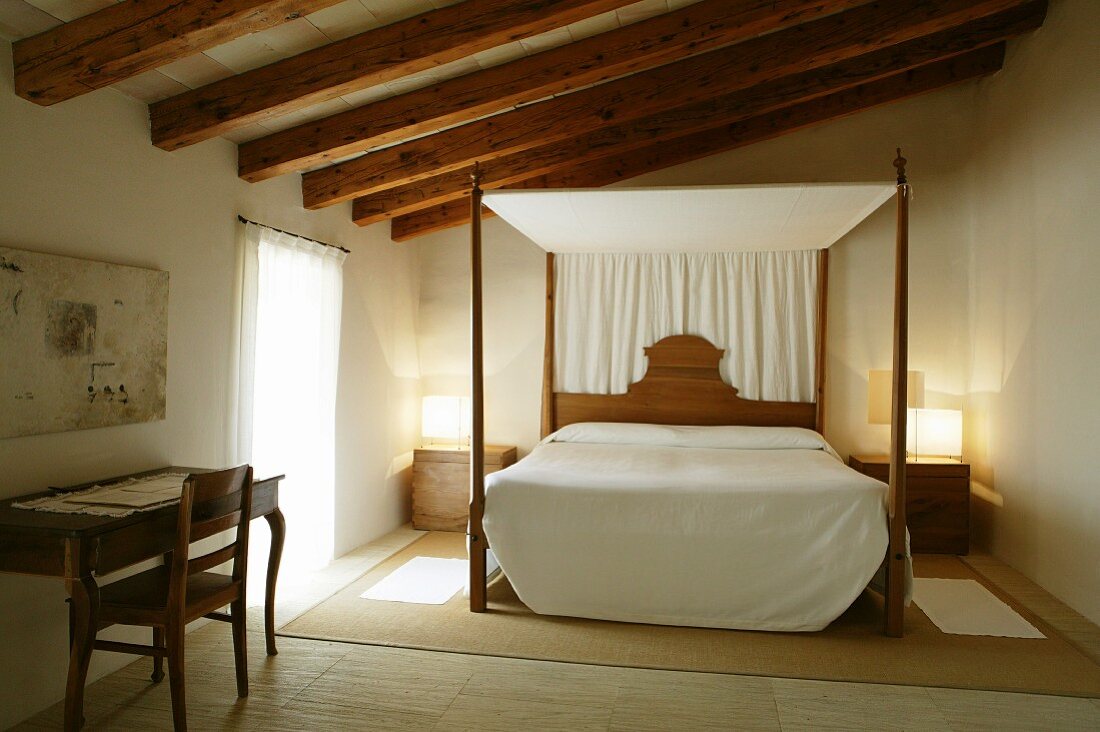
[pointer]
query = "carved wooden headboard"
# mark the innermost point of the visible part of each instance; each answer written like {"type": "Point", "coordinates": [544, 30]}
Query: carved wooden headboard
{"type": "Point", "coordinates": [681, 386]}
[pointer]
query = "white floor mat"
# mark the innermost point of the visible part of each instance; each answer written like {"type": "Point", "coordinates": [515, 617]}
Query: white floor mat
{"type": "Point", "coordinates": [964, 607]}
{"type": "Point", "coordinates": [422, 580]}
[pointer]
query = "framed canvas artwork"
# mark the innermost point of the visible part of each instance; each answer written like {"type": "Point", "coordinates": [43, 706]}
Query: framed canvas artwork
{"type": "Point", "coordinates": [82, 344]}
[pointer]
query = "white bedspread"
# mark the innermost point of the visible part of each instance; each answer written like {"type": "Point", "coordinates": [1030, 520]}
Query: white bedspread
{"type": "Point", "coordinates": [726, 527]}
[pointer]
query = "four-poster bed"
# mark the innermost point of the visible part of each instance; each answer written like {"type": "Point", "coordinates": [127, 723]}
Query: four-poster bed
{"type": "Point", "coordinates": [682, 386]}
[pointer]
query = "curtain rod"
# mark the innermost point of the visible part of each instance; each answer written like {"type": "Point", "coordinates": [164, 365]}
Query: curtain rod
{"type": "Point", "coordinates": [243, 220]}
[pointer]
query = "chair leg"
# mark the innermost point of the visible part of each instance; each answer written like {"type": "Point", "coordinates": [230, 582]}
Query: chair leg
{"type": "Point", "coordinates": [158, 661]}
{"type": "Point", "coordinates": [175, 676]}
{"type": "Point", "coordinates": [240, 645]}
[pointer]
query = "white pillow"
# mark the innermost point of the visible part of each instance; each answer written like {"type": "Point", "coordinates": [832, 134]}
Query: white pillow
{"type": "Point", "coordinates": [720, 437]}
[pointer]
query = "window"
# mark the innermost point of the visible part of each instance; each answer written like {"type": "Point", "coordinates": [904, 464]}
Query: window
{"type": "Point", "coordinates": [290, 346]}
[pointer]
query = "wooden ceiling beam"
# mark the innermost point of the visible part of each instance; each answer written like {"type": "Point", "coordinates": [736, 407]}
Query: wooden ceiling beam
{"type": "Point", "coordinates": [696, 28]}
{"type": "Point", "coordinates": [617, 168]}
{"type": "Point", "coordinates": [360, 61]}
{"type": "Point", "coordinates": [802, 48]}
{"type": "Point", "coordinates": [134, 36]}
{"type": "Point", "coordinates": [727, 109]}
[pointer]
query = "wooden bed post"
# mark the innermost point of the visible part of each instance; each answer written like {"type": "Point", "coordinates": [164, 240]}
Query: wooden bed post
{"type": "Point", "coordinates": [895, 558]}
{"type": "Point", "coordinates": [477, 543]}
{"type": "Point", "coordinates": [822, 330]}
{"type": "Point", "coordinates": [548, 353]}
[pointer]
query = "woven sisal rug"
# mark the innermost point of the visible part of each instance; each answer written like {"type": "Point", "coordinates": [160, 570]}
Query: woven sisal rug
{"type": "Point", "coordinates": [851, 649]}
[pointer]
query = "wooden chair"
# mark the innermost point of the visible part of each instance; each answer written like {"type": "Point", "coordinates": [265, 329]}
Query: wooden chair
{"type": "Point", "coordinates": [168, 597]}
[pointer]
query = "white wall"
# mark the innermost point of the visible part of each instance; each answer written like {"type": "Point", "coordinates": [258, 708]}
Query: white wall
{"type": "Point", "coordinates": [1034, 405]}
{"type": "Point", "coordinates": [514, 288]}
{"type": "Point", "coordinates": [378, 395]}
{"type": "Point", "coordinates": [82, 179]}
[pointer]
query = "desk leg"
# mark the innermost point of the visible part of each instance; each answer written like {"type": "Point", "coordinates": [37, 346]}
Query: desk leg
{"type": "Point", "coordinates": [278, 535]}
{"type": "Point", "coordinates": [85, 603]}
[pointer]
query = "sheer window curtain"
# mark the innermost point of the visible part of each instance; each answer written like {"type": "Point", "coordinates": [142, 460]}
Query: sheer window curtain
{"type": "Point", "coordinates": [761, 307]}
{"type": "Point", "coordinates": [291, 296]}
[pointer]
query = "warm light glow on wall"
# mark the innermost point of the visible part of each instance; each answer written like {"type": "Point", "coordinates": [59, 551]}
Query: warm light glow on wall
{"type": "Point", "coordinates": [880, 393]}
{"type": "Point", "coordinates": [934, 432]}
{"type": "Point", "coordinates": [445, 418]}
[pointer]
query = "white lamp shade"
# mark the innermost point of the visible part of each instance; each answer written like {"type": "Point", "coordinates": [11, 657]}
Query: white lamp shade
{"type": "Point", "coordinates": [880, 393]}
{"type": "Point", "coordinates": [935, 432]}
{"type": "Point", "coordinates": [445, 417]}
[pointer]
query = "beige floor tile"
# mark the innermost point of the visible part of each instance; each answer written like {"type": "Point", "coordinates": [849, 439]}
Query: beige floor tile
{"type": "Point", "coordinates": [255, 717]}
{"type": "Point", "coordinates": [557, 683]}
{"type": "Point", "coordinates": [299, 656]}
{"type": "Point", "coordinates": [525, 665]}
{"type": "Point", "coordinates": [695, 682]}
{"type": "Point", "coordinates": [37, 723]}
{"type": "Point", "coordinates": [665, 700]}
{"type": "Point", "coordinates": [107, 714]}
{"type": "Point", "coordinates": [412, 659]}
{"type": "Point", "coordinates": [392, 688]}
{"type": "Point", "coordinates": [491, 714]}
{"type": "Point", "coordinates": [292, 659]}
{"type": "Point", "coordinates": [53, 717]}
{"type": "Point", "coordinates": [303, 715]}
{"type": "Point", "coordinates": [116, 691]}
{"type": "Point", "coordinates": [214, 693]}
{"type": "Point", "coordinates": [140, 718]}
{"type": "Point", "coordinates": [807, 705]}
{"type": "Point", "coordinates": [412, 689]}
{"type": "Point", "coordinates": [991, 710]}
{"type": "Point", "coordinates": [211, 683]}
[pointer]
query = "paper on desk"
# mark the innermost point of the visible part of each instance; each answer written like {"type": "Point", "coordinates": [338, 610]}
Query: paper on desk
{"type": "Point", "coordinates": [156, 484]}
{"type": "Point", "coordinates": [116, 499]}
{"type": "Point", "coordinates": [123, 497]}
{"type": "Point", "coordinates": [142, 492]}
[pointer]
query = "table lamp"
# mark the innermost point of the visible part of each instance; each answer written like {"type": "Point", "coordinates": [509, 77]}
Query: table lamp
{"type": "Point", "coordinates": [445, 418]}
{"type": "Point", "coordinates": [880, 393]}
{"type": "Point", "coordinates": [934, 433]}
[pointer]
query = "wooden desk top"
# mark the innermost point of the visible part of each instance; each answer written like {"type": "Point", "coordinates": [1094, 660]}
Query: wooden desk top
{"type": "Point", "coordinates": [15, 521]}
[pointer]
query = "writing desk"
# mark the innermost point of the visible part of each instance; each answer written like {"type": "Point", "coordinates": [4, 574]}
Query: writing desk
{"type": "Point", "coordinates": [76, 547]}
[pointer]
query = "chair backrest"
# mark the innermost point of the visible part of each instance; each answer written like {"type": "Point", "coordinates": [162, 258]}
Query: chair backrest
{"type": "Point", "coordinates": [210, 504]}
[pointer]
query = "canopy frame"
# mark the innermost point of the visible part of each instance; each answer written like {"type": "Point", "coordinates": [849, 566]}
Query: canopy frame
{"type": "Point", "coordinates": [896, 553]}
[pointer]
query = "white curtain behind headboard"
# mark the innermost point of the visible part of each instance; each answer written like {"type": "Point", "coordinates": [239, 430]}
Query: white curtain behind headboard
{"type": "Point", "coordinates": [761, 307]}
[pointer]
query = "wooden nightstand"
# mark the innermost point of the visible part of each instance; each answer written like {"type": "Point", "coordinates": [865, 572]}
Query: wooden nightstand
{"type": "Point", "coordinates": [441, 484]}
{"type": "Point", "coordinates": [937, 500]}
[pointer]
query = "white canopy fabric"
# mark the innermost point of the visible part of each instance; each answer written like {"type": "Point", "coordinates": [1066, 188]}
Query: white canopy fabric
{"type": "Point", "coordinates": [741, 218]}
{"type": "Point", "coordinates": [758, 307]}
